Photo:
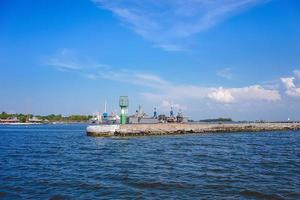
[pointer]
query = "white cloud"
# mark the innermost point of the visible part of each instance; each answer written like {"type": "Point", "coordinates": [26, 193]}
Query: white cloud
{"type": "Point", "coordinates": [64, 60]}
{"type": "Point", "coordinates": [212, 102]}
{"type": "Point", "coordinates": [271, 84]}
{"type": "Point", "coordinates": [166, 22]}
{"type": "Point", "coordinates": [166, 105]}
{"type": "Point", "coordinates": [221, 95]}
{"type": "Point", "coordinates": [164, 93]}
{"type": "Point", "coordinates": [297, 73]}
{"type": "Point", "coordinates": [225, 73]}
{"type": "Point", "coordinates": [255, 92]}
{"type": "Point", "coordinates": [91, 76]}
{"type": "Point", "coordinates": [178, 92]}
{"type": "Point", "coordinates": [170, 47]}
{"type": "Point", "coordinates": [290, 86]}
{"type": "Point", "coordinates": [150, 80]}
{"type": "Point", "coordinates": [69, 60]}
{"type": "Point", "coordinates": [288, 82]}
{"type": "Point", "coordinates": [133, 77]}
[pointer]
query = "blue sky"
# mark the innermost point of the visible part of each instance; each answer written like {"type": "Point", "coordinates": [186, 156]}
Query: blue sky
{"type": "Point", "coordinates": [234, 58]}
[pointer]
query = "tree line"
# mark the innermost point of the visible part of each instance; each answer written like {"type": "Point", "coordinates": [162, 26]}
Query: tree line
{"type": "Point", "coordinates": [50, 118]}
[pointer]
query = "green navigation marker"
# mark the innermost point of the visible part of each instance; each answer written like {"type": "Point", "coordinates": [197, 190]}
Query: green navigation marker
{"type": "Point", "coordinates": [123, 103]}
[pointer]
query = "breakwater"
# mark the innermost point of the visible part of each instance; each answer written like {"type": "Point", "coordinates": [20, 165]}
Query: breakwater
{"type": "Point", "coordinates": [177, 128]}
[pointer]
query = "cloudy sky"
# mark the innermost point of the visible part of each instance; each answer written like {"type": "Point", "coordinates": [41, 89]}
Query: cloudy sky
{"type": "Point", "coordinates": [209, 58]}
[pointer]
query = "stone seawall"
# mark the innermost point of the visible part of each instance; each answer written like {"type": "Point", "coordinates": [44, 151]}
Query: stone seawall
{"type": "Point", "coordinates": [176, 128]}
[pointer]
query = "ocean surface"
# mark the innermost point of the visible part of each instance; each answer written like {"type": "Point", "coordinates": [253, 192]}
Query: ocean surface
{"type": "Point", "coordinates": [61, 162]}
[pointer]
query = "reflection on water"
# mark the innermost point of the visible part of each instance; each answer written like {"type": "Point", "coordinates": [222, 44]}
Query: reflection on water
{"type": "Point", "coordinates": [60, 162]}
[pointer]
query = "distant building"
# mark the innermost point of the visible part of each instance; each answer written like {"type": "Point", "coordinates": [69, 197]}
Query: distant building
{"type": "Point", "coordinates": [10, 120]}
{"type": "Point", "coordinates": [35, 120]}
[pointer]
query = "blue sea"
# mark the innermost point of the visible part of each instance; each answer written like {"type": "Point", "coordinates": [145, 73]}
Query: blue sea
{"type": "Point", "coordinates": [61, 162]}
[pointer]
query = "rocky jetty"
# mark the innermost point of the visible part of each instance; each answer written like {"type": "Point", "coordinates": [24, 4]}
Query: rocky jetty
{"type": "Point", "coordinates": [184, 128]}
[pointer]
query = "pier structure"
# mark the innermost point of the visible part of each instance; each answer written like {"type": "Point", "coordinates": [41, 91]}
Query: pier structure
{"type": "Point", "coordinates": [184, 128]}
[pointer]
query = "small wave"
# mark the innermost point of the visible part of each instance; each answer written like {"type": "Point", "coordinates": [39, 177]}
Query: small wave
{"type": "Point", "coordinates": [14, 188]}
{"type": "Point", "coordinates": [8, 178]}
{"type": "Point", "coordinates": [260, 195]}
{"type": "Point", "coordinates": [90, 186]}
{"type": "Point", "coordinates": [59, 197]}
{"type": "Point", "coordinates": [160, 185]}
{"type": "Point", "coordinates": [293, 195]}
{"type": "Point", "coordinates": [3, 194]}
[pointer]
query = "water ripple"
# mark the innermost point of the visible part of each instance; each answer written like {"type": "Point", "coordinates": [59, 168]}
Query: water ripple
{"type": "Point", "coordinates": [61, 162]}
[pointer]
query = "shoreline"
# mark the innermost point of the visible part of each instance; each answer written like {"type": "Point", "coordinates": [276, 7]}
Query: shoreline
{"type": "Point", "coordinates": [20, 123]}
{"type": "Point", "coordinates": [184, 128]}
{"type": "Point", "coordinates": [51, 123]}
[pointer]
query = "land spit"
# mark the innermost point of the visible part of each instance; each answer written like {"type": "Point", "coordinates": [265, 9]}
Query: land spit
{"type": "Point", "coordinates": [184, 128]}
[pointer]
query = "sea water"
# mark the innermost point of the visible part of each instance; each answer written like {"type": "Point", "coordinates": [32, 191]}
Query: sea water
{"type": "Point", "coordinates": [61, 162]}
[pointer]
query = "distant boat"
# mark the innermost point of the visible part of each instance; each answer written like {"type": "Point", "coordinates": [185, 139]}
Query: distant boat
{"type": "Point", "coordinates": [105, 118]}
